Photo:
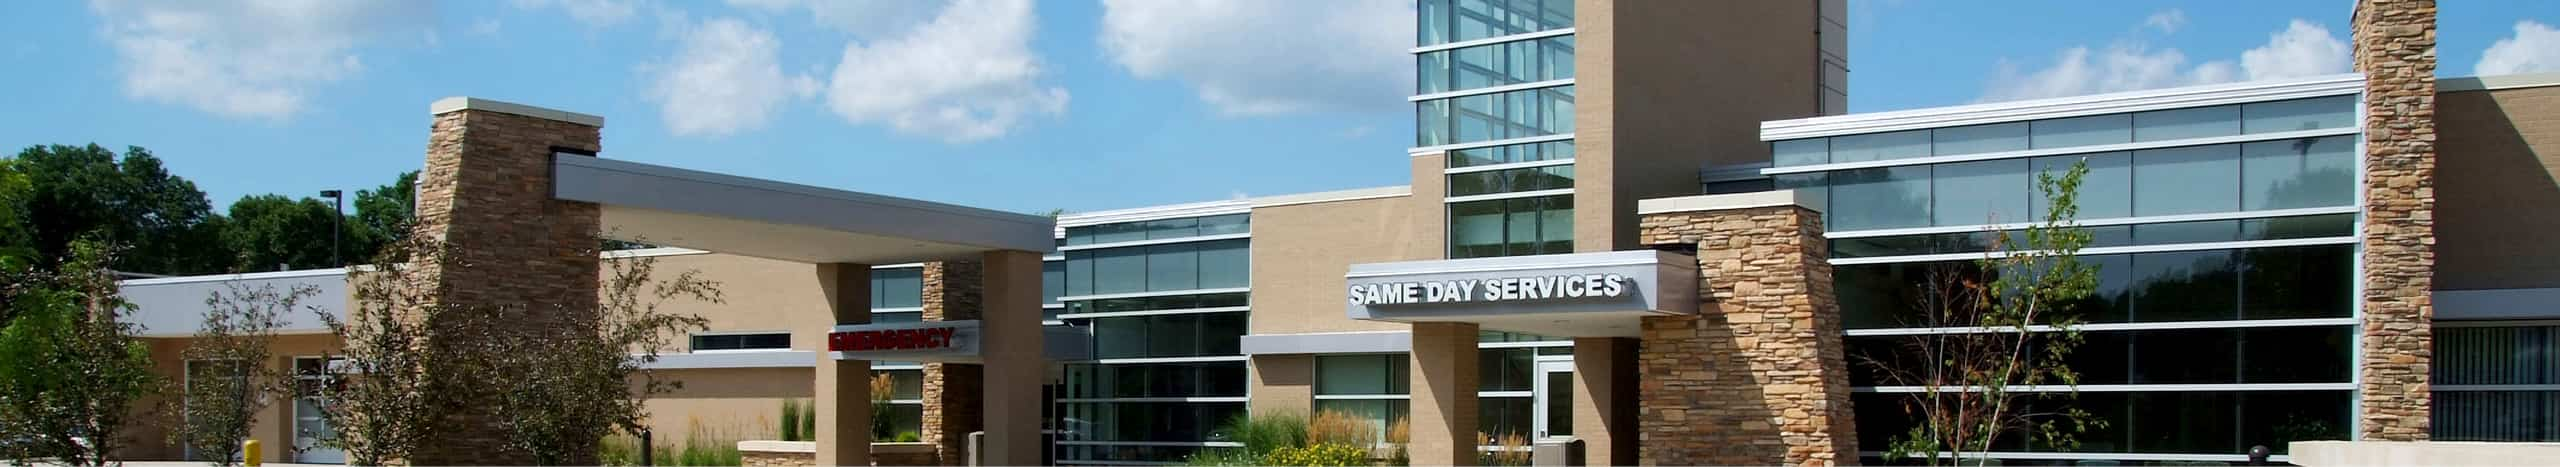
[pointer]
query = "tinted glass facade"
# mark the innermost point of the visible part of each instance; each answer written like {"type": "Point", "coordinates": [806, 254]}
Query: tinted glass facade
{"type": "Point", "coordinates": [1165, 302]}
{"type": "Point", "coordinates": [2224, 238]}
{"type": "Point", "coordinates": [1494, 94]}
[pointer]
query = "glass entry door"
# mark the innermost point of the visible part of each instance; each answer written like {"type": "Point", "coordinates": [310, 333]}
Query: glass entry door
{"type": "Point", "coordinates": [1552, 408]}
{"type": "Point", "coordinates": [309, 427]}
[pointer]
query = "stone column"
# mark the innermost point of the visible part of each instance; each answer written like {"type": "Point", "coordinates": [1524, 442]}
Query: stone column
{"type": "Point", "coordinates": [1011, 343]}
{"type": "Point", "coordinates": [1443, 405]}
{"type": "Point", "coordinates": [843, 387]}
{"type": "Point", "coordinates": [1758, 376]}
{"type": "Point", "coordinates": [2395, 47]}
{"type": "Point", "coordinates": [512, 253]}
{"type": "Point", "coordinates": [951, 293]}
{"type": "Point", "coordinates": [1604, 399]}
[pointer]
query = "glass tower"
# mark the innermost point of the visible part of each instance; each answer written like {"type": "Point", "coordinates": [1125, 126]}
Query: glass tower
{"type": "Point", "coordinates": [1495, 91]}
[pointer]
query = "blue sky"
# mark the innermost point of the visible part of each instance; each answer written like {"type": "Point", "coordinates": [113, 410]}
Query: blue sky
{"type": "Point", "coordinates": [1074, 104]}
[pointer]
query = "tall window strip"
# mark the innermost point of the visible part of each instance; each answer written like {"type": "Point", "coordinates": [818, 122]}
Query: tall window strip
{"type": "Point", "coordinates": [2214, 335]}
{"type": "Point", "coordinates": [1167, 314]}
{"type": "Point", "coordinates": [1446, 21]}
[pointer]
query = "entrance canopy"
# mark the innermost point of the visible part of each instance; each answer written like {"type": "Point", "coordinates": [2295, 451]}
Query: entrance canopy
{"type": "Point", "coordinates": [1570, 295]}
{"type": "Point", "coordinates": [730, 214]}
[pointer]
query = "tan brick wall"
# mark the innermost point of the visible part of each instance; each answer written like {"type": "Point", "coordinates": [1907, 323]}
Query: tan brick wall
{"type": "Point", "coordinates": [1759, 375]}
{"type": "Point", "coordinates": [2506, 151]}
{"type": "Point", "coordinates": [2395, 48]}
{"type": "Point", "coordinates": [511, 250]}
{"type": "Point", "coordinates": [1283, 383]}
{"type": "Point", "coordinates": [951, 390]}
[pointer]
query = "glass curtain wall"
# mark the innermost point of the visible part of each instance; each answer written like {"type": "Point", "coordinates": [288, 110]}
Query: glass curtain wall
{"type": "Point", "coordinates": [2224, 316]}
{"type": "Point", "coordinates": [1492, 79]}
{"type": "Point", "coordinates": [897, 296]}
{"type": "Point", "coordinates": [1165, 301]}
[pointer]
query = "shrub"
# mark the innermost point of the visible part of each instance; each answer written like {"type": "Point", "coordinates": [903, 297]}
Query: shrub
{"type": "Point", "coordinates": [791, 420]}
{"type": "Point", "coordinates": [909, 437]}
{"type": "Point", "coordinates": [1338, 427]}
{"type": "Point", "coordinates": [1319, 454]}
{"type": "Point", "coordinates": [1399, 434]}
{"type": "Point", "coordinates": [1261, 434]}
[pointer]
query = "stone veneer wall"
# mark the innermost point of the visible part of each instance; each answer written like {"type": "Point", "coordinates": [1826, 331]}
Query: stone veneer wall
{"type": "Point", "coordinates": [2395, 47]}
{"type": "Point", "coordinates": [951, 390]}
{"type": "Point", "coordinates": [510, 249]}
{"type": "Point", "coordinates": [1759, 376]}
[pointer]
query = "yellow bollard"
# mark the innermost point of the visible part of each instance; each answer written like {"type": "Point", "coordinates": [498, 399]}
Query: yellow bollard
{"type": "Point", "coordinates": [249, 453]}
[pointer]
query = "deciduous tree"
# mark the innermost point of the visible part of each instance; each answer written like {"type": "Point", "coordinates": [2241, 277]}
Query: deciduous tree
{"type": "Point", "coordinates": [231, 372]}
{"type": "Point", "coordinates": [70, 366]}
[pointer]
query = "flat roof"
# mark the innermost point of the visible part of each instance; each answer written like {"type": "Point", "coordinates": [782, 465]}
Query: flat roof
{"type": "Point", "coordinates": [677, 207]}
{"type": "Point", "coordinates": [2061, 107]}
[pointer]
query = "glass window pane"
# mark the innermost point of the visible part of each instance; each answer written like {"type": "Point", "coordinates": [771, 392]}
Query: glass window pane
{"type": "Point", "coordinates": [1227, 224]}
{"type": "Point", "coordinates": [2298, 282]}
{"type": "Point", "coordinates": [1879, 198]}
{"type": "Point", "coordinates": [1503, 416]}
{"type": "Point", "coordinates": [1505, 369]}
{"type": "Point", "coordinates": [2299, 114]}
{"type": "Point", "coordinates": [2525, 354]}
{"type": "Point", "coordinates": [1555, 224]}
{"type": "Point", "coordinates": [1173, 228]}
{"type": "Point", "coordinates": [1979, 139]}
{"type": "Point", "coordinates": [2185, 286]}
{"type": "Point", "coordinates": [2186, 232]}
{"type": "Point", "coordinates": [2202, 122]}
{"type": "Point", "coordinates": [1220, 333]}
{"type": "Point", "coordinates": [1079, 273]}
{"type": "Point", "coordinates": [2300, 173]}
{"type": "Point", "coordinates": [1521, 226]}
{"type": "Point", "coordinates": [1120, 337]}
{"type": "Point", "coordinates": [1475, 229]}
{"type": "Point", "coordinates": [1431, 123]}
{"type": "Point", "coordinates": [1559, 403]}
{"type": "Point", "coordinates": [2187, 180]}
{"type": "Point", "coordinates": [1808, 151]}
{"type": "Point", "coordinates": [2183, 422]}
{"type": "Point", "coordinates": [1984, 192]}
{"type": "Point", "coordinates": [2308, 354]}
{"type": "Point", "coordinates": [2080, 131]}
{"type": "Point", "coordinates": [1352, 374]}
{"type": "Point", "coordinates": [1173, 267]}
{"type": "Point", "coordinates": [1053, 280]}
{"type": "Point", "coordinates": [1811, 188]}
{"type": "Point", "coordinates": [1120, 270]}
{"type": "Point", "coordinates": [2105, 192]}
{"type": "Point", "coordinates": [2185, 356]}
{"type": "Point", "coordinates": [1121, 232]}
{"type": "Point", "coordinates": [1434, 68]}
{"type": "Point", "coordinates": [1225, 264]}
{"type": "Point", "coordinates": [1173, 335]}
{"type": "Point", "coordinates": [1880, 146]}
{"type": "Point", "coordinates": [900, 288]}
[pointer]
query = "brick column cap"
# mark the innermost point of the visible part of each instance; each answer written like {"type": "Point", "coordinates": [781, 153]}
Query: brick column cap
{"type": "Point", "coordinates": [461, 103]}
{"type": "Point", "coordinates": [1724, 202]}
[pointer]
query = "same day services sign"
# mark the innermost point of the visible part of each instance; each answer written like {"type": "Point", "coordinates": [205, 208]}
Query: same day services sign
{"type": "Point", "coordinates": [1505, 289]}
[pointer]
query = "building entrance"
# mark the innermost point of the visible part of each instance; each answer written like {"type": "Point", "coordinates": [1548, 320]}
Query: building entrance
{"type": "Point", "coordinates": [1551, 405]}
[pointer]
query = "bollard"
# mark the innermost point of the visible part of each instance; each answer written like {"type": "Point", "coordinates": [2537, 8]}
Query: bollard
{"type": "Point", "coordinates": [644, 448]}
{"type": "Point", "coordinates": [2258, 455]}
{"type": "Point", "coordinates": [249, 453]}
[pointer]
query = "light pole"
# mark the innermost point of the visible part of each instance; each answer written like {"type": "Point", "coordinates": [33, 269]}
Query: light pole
{"type": "Point", "coordinates": [337, 221]}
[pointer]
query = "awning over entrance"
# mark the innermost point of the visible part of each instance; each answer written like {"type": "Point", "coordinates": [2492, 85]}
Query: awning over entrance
{"type": "Point", "coordinates": [730, 214]}
{"type": "Point", "coordinates": [1569, 295]}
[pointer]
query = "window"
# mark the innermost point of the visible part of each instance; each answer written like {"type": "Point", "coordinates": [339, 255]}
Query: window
{"type": "Point", "coordinates": [1486, 117]}
{"type": "Point", "coordinates": [1985, 192]}
{"type": "Point", "coordinates": [2211, 285]}
{"type": "Point", "coordinates": [745, 341]}
{"type": "Point", "coordinates": [1371, 387]}
{"type": "Point", "coordinates": [1129, 380]}
{"type": "Point", "coordinates": [1500, 64]}
{"type": "Point", "coordinates": [2166, 422]}
{"type": "Point", "coordinates": [2298, 173]}
{"type": "Point", "coordinates": [1053, 281]}
{"type": "Point", "coordinates": [2298, 114]}
{"type": "Point", "coordinates": [2200, 122]}
{"type": "Point", "coordinates": [1159, 268]}
{"type": "Point", "coordinates": [1880, 198]}
{"type": "Point", "coordinates": [897, 288]}
{"type": "Point", "coordinates": [1880, 146]}
{"type": "Point", "coordinates": [1445, 21]}
{"type": "Point", "coordinates": [1511, 180]}
{"type": "Point", "coordinates": [1511, 227]}
{"type": "Point", "coordinates": [906, 405]}
{"type": "Point", "coordinates": [1807, 151]}
{"type": "Point", "coordinates": [2080, 131]}
{"type": "Point", "coordinates": [1165, 302]}
{"type": "Point", "coordinates": [1180, 335]}
{"type": "Point", "coordinates": [2493, 382]}
{"type": "Point", "coordinates": [1979, 139]}
{"type": "Point", "coordinates": [1526, 152]}
{"type": "Point", "coordinates": [2186, 180]}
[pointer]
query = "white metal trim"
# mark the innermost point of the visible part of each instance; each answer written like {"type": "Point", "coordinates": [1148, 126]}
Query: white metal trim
{"type": "Point", "coordinates": [1158, 399]}
{"type": "Point", "coordinates": [1507, 263]}
{"type": "Point", "coordinates": [2132, 388]}
{"type": "Point", "coordinates": [898, 309]}
{"type": "Point", "coordinates": [341, 272]}
{"type": "Point", "coordinates": [1143, 360]}
{"type": "Point", "coordinates": [1491, 90]}
{"type": "Point", "coordinates": [1509, 195]}
{"type": "Point", "coordinates": [1517, 345]}
{"type": "Point", "coordinates": [2101, 222]}
{"type": "Point", "coordinates": [1176, 311]}
{"type": "Point", "coordinates": [2048, 455]}
{"type": "Point", "coordinates": [1168, 293]}
{"type": "Point", "coordinates": [1143, 443]}
{"type": "Point", "coordinates": [2064, 151]}
{"type": "Point", "coordinates": [2106, 250]}
{"type": "Point", "coordinates": [2496, 387]}
{"type": "Point", "coordinates": [899, 367]}
{"type": "Point", "coordinates": [1428, 150]}
{"type": "Point", "coordinates": [2497, 82]}
{"type": "Point", "coordinates": [2113, 103]}
{"type": "Point", "coordinates": [2229, 324]}
{"type": "Point", "coordinates": [1509, 394]}
{"type": "Point", "coordinates": [1157, 241]}
{"type": "Point", "coordinates": [1507, 166]}
{"type": "Point", "coordinates": [1363, 397]}
{"type": "Point", "coordinates": [1150, 213]}
{"type": "Point", "coordinates": [1491, 40]}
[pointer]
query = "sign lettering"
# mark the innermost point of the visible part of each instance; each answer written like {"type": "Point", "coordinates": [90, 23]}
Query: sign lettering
{"type": "Point", "coordinates": [891, 339]}
{"type": "Point", "coordinates": [1490, 290]}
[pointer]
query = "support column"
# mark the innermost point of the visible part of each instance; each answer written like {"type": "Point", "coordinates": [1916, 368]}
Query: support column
{"type": "Point", "coordinates": [1759, 375]}
{"type": "Point", "coordinates": [843, 387]}
{"type": "Point", "coordinates": [2395, 47]}
{"type": "Point", "coordinates": [513, 256]}
{"type": "Point", "coordinates": [1014, 370]}
{"type": "Point", "coordinates": [1443, 404]}
{"type": "Point", "coordinates": [1604, 399]}
{"type": "Point", "coordinates": [951, 409]}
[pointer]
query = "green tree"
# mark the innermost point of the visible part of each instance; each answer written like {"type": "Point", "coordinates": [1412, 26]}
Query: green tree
{"type": "Point", "coordinates": [2015, 309]}
{"type": "Point", "coordinates": [230, 371]}
{"type": "Point", "coordinates": [70, 366]}
{"type": "Point", "coordinates": [17, 241]}
{"type": "Point", "coordinates": [268, 231]}
{"type": "Point", "coordinates": [386, 213]}
{"type": "Point", "coordinates": [129, 200]}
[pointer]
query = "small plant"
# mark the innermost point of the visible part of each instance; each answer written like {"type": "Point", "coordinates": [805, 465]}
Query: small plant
{"type": "Point", "coordinates": [1319, 454]}
{"type": "Point", "coordinates": [1261, 434]}
{"type": "Point", "coordinates": [1338, 427]}
{"type": "Point", "coordinates": [909, 437]}
{"type": "Point", "coordinates": [1399, 434]}
{"type": "Point", "coordinates": [791, 421]}
{"type": "Point", "coordinates": [882, 387]}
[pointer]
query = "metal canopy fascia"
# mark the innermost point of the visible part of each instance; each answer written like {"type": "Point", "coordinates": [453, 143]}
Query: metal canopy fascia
{"type": "Point", "coordinates": [1660, 283]}
{"type": "Point", "coordinates": [764, 218]}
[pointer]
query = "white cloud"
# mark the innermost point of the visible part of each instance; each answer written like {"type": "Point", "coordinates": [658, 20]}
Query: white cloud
{"type": "Point", "coordinates": [484, 27]}
{"type": "Point", "coordinates": [2166, 21]}
{"type": "Point", "coordinates": [1262, 57]}
{"type": "Point", "coordinates": [725, 77]}
{"type": "Point", "coordinates": [2301, 49]}
{"type": "Point", "coordinates": [2535, 48]}
{"type": "Point", "coordinates": [256, 58]}
{"type": "Point", "coordinates": [966, 75]}
{"type": "Point", "coordinates": [864, 18]}
{"type": "Point", "coordinates": [593, 13]}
